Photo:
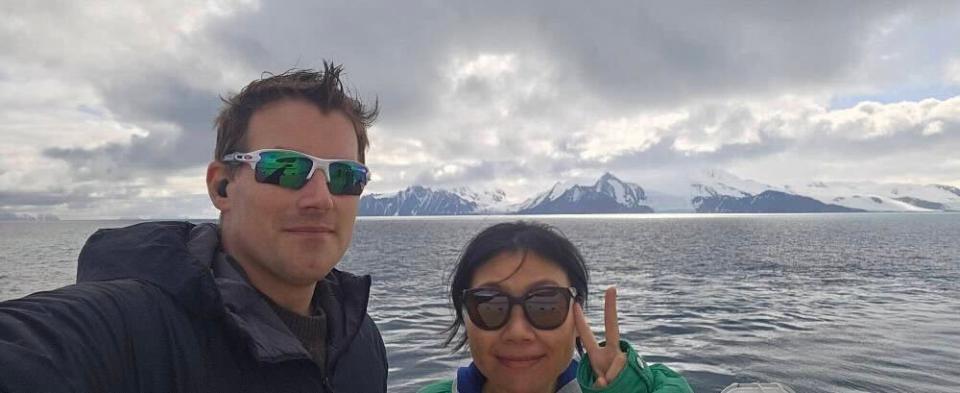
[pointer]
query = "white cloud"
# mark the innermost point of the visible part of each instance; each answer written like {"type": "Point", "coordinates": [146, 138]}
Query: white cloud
{"type": "Point", "coordinates": [933, 128]}
{"type": "Point", "coordinates": [609, 138]}
{"type": "Point", "coordinates": [870, 120]}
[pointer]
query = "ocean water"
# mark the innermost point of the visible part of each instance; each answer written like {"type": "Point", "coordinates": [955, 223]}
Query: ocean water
{"type": "Point", "coordinates": [821, 302]}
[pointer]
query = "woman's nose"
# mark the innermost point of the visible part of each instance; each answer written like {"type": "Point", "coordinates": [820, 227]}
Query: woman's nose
{"type": "Point", "coordinates": [518, 328]}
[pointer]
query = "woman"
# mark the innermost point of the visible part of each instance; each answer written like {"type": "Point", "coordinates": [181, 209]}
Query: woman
{"type": "Point", "coordinates": [529, 348]}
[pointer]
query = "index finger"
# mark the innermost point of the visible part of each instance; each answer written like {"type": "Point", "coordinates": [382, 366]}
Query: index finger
{"type": "Point", "coordinates": [586, 335]}
{"type": "Point", "coordinates": [610, 323]}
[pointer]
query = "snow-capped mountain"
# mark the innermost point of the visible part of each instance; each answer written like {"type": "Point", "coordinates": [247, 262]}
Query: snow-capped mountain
{"type": "Point", "coordinates": [607, 195]}
{"type": "Point", "coordinates": [766, 202]}
{"type": "Point", "coordinates": [715, 182]}
{"type": "Point", "coordinates": [717, 191]}
{"type": "Point", "coordinates": [416, 201]}
{"type": "Point", "coordinates": [884, 197]}
{"type": "Point", "coordinates": [713, 188]}
{"type": "Point", "coordinates": [488, 201]}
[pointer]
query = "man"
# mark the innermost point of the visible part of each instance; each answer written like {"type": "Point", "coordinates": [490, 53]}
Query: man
{"type": "Point", "coordinates": [254, 304]}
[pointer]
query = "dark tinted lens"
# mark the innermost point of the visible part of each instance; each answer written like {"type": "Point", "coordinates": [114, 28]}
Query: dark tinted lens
{"type": "Point", "coordinates": [547, 308]}
{"type": "Point", "coordinates": [488, 309]}
{"type": "Point", "coordinates": [347, 178]}
{"type": "Point", "coordinates": [286, 169]}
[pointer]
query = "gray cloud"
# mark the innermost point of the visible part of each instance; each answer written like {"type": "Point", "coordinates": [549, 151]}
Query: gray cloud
{"type": "Point", "coordinates": [89, 201]}
{"type": "Point", "coordinates": [651, 53]}
{"type": "Point", "coordinates": [826, 148]}
{"type": "Point", "coordinates": [34, 198]}
{"type": "Point", "coordinates": [177, 116]}
{"type": "Point", "coordinates": [664, 155]}
{"type": "Point", "coordinates": [81, 197]}
{"type": "Point", "coordinates": [626, 52]}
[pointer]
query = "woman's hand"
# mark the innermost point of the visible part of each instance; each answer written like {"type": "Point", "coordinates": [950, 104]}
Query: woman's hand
{"type": "Point", "coordinates": [606, 361]}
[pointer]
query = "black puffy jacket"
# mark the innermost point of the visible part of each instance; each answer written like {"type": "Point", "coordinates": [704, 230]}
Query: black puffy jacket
{"type": "Point", "coordinates": [149, 314]}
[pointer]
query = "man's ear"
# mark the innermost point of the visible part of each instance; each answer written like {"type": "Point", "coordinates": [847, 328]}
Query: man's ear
{"type": "Point", "coordinates": [217, 174]}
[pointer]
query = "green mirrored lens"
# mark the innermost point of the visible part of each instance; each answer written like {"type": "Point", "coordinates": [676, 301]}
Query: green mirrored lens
{"type": "Point", "coordinates": [286, 169]}
{"type": "Point", "coordinates": [347, 178]}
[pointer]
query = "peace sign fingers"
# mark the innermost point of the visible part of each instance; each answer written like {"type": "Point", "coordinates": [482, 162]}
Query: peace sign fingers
{"type": "Point", "coordinates": [606, 361]}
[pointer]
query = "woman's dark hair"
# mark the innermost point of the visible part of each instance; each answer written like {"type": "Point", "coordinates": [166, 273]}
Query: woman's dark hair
{"type": "Point", "coordinates": [541, 239]}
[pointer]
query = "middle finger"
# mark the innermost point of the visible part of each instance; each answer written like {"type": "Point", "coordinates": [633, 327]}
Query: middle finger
{"type": "Point", "coordinates": [611, 326]}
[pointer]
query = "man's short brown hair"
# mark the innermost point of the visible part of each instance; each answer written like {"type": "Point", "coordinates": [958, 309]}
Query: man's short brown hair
{"type": "Point", "coordinates": [322, 88]}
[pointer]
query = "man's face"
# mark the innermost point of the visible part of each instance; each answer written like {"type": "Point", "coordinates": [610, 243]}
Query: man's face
{"type": "Point", "coordinates": [282, 237]}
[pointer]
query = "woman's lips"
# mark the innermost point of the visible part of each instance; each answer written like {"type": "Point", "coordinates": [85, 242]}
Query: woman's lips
{"type": "Point", "coordinates": [524, 361]}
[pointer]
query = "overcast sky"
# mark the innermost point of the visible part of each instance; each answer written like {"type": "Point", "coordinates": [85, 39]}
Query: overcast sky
{"type": "Point", "coordinates": [106, 108]}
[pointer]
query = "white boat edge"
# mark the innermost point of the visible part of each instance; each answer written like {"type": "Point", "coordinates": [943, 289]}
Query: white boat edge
{"type": "Point", "coordinates": [757, 387]}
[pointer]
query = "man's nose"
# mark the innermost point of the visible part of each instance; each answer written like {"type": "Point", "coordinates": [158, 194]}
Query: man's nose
{"type": "Point", "coordinates": [315, 194]}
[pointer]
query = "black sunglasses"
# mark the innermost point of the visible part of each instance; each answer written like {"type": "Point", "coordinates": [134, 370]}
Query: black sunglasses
{"type": "Point", "coordinates": [545, 308]}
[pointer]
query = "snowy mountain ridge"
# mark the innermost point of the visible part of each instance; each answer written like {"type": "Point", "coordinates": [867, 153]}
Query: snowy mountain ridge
{"type": "Point", "coordinates": [488, 201]}
{"type": "Point", "coordinates": [607, 195]}
{"type": "Point", "coordinates": [883, 196]}
{"type": "Point", "coordinates": [416, 201]}
{"type": "Point", "coordinates": [709, 191]}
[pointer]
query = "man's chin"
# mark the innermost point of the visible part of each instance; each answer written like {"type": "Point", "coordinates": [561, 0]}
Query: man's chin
{"type": "Point", "coordinates": [311, 269]}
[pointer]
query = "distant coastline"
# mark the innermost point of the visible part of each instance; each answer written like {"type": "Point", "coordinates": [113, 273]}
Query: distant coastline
{"type": "Point", "coordinates": [8, 216]}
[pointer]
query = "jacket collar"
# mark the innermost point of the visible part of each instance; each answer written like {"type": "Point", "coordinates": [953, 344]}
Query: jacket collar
{"type": "Point", "coordinates": [157, 253]}
{"type": "Point", "coordinates": [343, 297]}
{"type": "Point", "coordinates": [251, 318]}
{"type": "Point", "coordinates": [185, 261]}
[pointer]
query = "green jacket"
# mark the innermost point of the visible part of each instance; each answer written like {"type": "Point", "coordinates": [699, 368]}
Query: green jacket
{"type": "Point", "coordinates": [636, 377]}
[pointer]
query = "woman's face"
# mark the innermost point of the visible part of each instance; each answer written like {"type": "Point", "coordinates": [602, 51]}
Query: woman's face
{"type": "Point", "coordinates": [518, 357]}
